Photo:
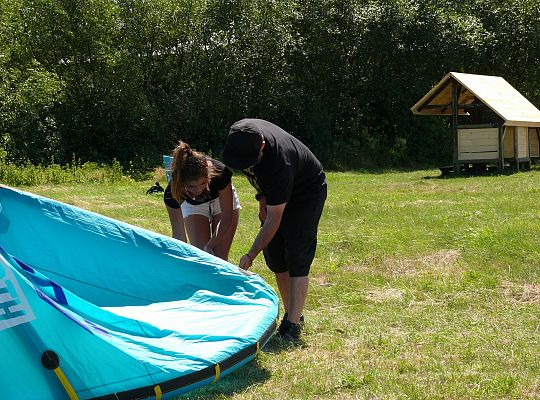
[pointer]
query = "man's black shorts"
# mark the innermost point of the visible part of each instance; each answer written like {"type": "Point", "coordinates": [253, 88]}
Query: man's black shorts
{"type": "Point", "coordinates": [293, 247]}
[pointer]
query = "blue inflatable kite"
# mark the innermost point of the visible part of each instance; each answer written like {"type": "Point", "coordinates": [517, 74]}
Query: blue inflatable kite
{"type": "Point", "coordinates": [93, 308]}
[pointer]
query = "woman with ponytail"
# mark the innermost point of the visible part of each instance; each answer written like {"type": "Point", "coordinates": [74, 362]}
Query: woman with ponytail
{"type": "Point", "coordinates": [201, 201]}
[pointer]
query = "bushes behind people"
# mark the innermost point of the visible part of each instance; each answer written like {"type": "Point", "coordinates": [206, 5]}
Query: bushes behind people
{"type": "Point", "coordinates": [109, 79]}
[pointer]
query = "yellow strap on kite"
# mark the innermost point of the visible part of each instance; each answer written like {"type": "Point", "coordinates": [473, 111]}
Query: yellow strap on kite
{"type": "Point", "coordinates": [258, 348]}
{"type": "Point", "coordinates": [218, 371]}
{"type": "Point", "coordinates": [157, 391]}
{"type": "Point", "coordinates": [65, 383]}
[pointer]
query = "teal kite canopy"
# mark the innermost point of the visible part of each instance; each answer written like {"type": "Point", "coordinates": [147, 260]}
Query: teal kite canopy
{"type": "Point", "coordinates": [94, 308]}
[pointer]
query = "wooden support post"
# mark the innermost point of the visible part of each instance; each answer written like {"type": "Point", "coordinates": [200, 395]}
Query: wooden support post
{"type": "Point", "coordinates": [502, 132]}
{"type": "Point", "coordinates": [538, 135]}
{"type": "Point", "coordinates": [456, 89]}
{"type": "Point", "coordinates": [516, 147]}
{"type": "Point", "coordinates": [528, 165]}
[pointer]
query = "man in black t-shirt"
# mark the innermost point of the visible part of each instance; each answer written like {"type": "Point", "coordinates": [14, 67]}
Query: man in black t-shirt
{"type": "Point", "coordinates": [291, 190]}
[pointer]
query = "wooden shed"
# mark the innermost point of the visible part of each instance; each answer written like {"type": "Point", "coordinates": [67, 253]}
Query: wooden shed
{"type": "Point", "coordinates": [492, 123]}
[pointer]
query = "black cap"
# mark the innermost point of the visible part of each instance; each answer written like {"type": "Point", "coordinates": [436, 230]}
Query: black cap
{"type": "Point", "coordinates": [243, 145]}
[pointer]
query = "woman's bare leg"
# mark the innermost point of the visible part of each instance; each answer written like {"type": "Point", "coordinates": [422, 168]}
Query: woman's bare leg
{"type": "Point", "coordinates": [198, 230]}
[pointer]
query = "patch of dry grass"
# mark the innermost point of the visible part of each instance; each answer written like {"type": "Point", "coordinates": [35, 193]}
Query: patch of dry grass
{"type": "Point", "coordinates": [522, 293]}
{"type": "Point", "coordinates": [385, 294]}
{"type": "Point", "coordinates": [442, 263]}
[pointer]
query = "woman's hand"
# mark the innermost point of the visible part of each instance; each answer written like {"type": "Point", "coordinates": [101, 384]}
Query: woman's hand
{"type": "Point", "coordinates": [208, 249]}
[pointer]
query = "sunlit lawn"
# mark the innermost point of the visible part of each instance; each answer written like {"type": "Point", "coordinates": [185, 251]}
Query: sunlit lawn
{"type": "Point", "coordinates": [422, 288]}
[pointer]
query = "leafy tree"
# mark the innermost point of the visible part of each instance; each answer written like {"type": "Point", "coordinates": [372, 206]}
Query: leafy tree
{"type": "Point", "coordinates": [125, 79]}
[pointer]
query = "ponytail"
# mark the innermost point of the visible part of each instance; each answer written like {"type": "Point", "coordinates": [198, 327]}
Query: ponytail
{"type": "Point", "coordinates": [187, 165]}
{"type": "Point", "coordinates": [180, 154]}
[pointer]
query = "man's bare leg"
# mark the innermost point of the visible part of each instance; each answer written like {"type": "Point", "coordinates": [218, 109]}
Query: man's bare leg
{"type": "Point", "coordinates": [282, 280]}
{"type": "Point", "coordinates": [298, 288]}
{"type": "Point", "coordinates": [293, 293]}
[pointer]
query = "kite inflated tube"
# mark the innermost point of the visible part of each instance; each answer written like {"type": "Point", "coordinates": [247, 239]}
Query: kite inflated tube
{"type": "Point", "coordinates": [94, 308]}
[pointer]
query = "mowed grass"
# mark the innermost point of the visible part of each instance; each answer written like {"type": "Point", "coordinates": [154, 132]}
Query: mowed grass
{"type": "Point", "coordinates": [422, 288]}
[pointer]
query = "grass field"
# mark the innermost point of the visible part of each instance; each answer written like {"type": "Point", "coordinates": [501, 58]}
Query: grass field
{"type": "Point", "coordinates": [422, 288]}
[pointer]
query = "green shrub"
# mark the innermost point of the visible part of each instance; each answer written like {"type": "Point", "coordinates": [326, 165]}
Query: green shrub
{"type": "Point", "coordinates": [29, 174]}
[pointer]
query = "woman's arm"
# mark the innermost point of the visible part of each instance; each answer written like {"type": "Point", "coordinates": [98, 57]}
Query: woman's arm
{"type": "Point", "coordinates": [177, 223]}
{"type": "Point", "coordinates": [225, 223]}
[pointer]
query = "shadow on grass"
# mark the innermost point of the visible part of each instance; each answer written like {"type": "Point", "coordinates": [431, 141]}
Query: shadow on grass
{"type": "Point", "coordinates": [252, 373]}
{"type": "Point", "coordinates": [383, 170]}
{"type": "Point", "coordinates": [479, 174]}
{"type": "Point", "coordinates": [238, 381]}
{"type": "Point", "coordinates": [277, 345]}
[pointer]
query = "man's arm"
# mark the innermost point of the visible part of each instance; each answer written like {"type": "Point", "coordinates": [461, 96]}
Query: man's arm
{"type": "Point", "coordinates": [265, 235]}
{"type": "Point", "coordinates": [262, 208]}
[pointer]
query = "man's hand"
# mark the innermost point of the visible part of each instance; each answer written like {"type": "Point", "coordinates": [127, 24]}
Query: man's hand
{"type": "Point", "coordinates": [245, 262]}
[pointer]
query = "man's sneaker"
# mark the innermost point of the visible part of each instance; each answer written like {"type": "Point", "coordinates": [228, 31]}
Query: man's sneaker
{"type": "Point", "coordinates": [286, 316]}
{"type": "Point", "coordinates": [289, 330]}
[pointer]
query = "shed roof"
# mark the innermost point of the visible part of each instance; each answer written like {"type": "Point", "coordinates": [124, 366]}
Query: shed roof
{"type": "Point", "coordinates": [493, 91]}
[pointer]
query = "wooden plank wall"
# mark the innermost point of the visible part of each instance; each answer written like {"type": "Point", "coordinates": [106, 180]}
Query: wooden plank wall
{"type": "Point", "coordinates": [509, 142]}
{"type": "Point", "coordinates": [522, 134]}
{"type": "Point", "coordinates": [534, 143]}
{"type": "Point", "coordinates": [478, 144]}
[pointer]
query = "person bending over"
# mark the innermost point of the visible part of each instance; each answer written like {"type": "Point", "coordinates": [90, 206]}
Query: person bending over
{"type": "Point", "coordinates": [201, 201]}
{"type": "Point", "coordinates": [291, 190]}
